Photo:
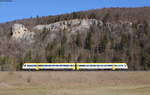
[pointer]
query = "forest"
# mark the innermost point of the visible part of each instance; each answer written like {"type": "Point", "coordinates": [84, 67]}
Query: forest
{"type": "Point", "coordinates": [123, 37]}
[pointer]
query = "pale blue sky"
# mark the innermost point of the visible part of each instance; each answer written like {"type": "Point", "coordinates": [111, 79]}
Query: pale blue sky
{"type": "Point", "coordinates": [19, 9]}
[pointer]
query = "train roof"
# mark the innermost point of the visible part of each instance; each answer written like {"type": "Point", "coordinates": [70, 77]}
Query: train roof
{"type": "Point", "coordinates": [74, 63]}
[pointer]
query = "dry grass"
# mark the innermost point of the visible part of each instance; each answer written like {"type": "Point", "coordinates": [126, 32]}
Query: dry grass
{"type": "Point", "coordinates": [74, 83]}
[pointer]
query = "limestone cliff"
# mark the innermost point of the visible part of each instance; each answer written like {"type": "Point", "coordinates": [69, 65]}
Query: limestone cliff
{"type": "Point", "coordinates": [20, 32]}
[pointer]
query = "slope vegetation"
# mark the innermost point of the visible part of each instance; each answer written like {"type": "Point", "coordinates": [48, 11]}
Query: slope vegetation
{"type": "Point", "coordinates": [102, 35]}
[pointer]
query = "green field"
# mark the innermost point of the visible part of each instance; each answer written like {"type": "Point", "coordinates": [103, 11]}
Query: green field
{"type": "Point", "coordinates": [75, 83]}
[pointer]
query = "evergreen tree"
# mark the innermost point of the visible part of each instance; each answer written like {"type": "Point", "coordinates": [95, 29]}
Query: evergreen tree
{"type": "Point", "coordinates": [88, 41]}
{"type": "Point", "coordinates": [78, 40]}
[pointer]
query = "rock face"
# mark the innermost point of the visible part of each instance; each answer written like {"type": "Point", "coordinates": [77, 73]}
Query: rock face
{"type": "Point", "coordinates": [71, 25]}
{"type": "Point", "coordinates": [20, 32]}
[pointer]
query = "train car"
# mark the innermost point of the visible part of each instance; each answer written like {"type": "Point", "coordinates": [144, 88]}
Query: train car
{"type": "Point", "coordinates": [74, 66]}
{"type": "Point", "coordinates": [48, 66]}
{"type": "Point", "coordinates": [102, 66]}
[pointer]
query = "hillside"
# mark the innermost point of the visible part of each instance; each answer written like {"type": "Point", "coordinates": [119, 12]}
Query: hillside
{"type": "Point", "coordinates": [101, 35]}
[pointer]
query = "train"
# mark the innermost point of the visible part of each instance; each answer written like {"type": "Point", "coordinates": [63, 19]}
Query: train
{"type": "Point", "coordinates": [74, 66]}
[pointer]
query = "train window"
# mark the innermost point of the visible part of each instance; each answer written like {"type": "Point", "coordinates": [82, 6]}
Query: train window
{"type": "Point", "coordinates": [109, 65]}
{"type": "Point", "coordinates": [120, 65]}
{"type": "Point", "coordinates": [24, 65]}
{"type": "Point", "coordinates": [31, 65]}
{"type": "Point", "coordinates": [55, 65]}
{"type": "Point", "coordinates": [105, 65]}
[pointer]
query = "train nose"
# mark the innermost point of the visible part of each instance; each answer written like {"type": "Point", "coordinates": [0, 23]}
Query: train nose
{"type": "Point", "coordinates": [126, 66]}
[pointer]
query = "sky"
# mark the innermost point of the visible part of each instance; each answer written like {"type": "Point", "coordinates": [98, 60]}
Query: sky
{"type": "Point", "coordinates": [19, 9]}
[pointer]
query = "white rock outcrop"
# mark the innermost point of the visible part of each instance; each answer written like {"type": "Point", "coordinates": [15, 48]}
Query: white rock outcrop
{"type": "Point", "coordinates": [20, 32]}
{"type": "Point", "coordinates": [70, 25]}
